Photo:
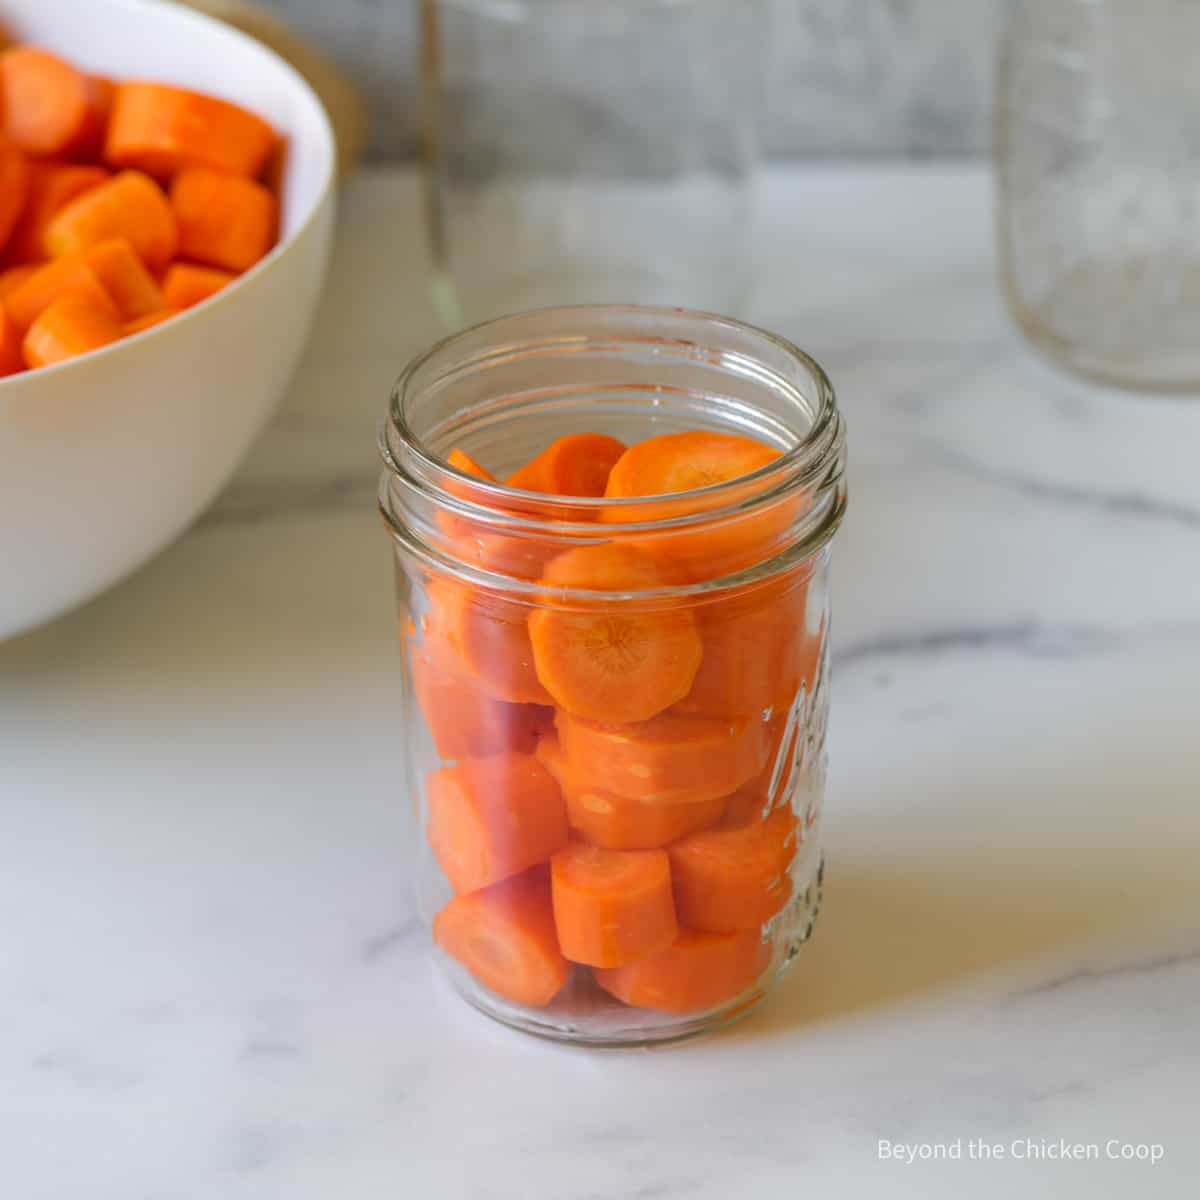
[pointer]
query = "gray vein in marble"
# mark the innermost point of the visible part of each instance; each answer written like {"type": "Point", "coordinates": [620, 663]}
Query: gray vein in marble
{"type": "Point", "coordinates": [270, 1048]}
{"type": "Point", "coordinates": [376, 947]}
{"type": "Point", "coordinates": [1124, 504]}
{"type": "Point", "coordinates": [253, 503]}
{"type": "Point", "coordinates": [1093, 974]}
{"type": "Point", "coordinates": [1026, 637]}
{"type": "Point", "coordinates": [78, 1068]}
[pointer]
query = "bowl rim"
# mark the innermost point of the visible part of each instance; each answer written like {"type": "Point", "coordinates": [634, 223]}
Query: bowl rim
{"type": "Point", "coordinates": [12, 385]}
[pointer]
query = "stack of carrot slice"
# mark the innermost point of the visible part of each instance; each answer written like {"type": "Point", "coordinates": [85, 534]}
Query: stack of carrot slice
{"type": "Point", "coordinates": [611, 797]}
{"type": "Point", "coordinates": [121, 204]}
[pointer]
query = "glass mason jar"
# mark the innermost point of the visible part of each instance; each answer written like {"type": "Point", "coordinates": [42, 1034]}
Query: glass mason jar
{"type": "Point", "coordinates": [1098, 172]}
{"type": "Point", "coordinates": [585, 152]}
{"type": "Point", "coordinates": [651, 727]}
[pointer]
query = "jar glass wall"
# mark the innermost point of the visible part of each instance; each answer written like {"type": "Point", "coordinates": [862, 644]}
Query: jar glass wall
{"type": "Point", "coordinates": [702, 780]}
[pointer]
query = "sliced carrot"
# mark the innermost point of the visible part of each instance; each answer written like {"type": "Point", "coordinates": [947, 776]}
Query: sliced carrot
{"type": "Point", "coordinates": [14, 188]}
{"type": "Point", "coordinates": [681, 462]}
{"type": "Point", "coordinates": [51, 187]}
{"type": "Point", "coordinates": [224, 220]}
{"type": "Point", "coordinates": [575, 465]}
{"type": "Point", "coordinates": [613, 662]}
{"type": "Point", "coordinates": [50, 108]}
{"type": "Point", "coordinates": [463, 720]}
{"type": "Point", "coordinates": [69, 327]}
{"type": "Point", "coordinates": [69, 275]}
{"type": "Point", "coordinates": [735, 876]}
{"type": "Point", "coordinates": [141, 324]}
{"type": "Point", "coordinates": [129, 205]}
{"type": "Point", "coordinates": [161, 129]}
{"type": "Point", "coordinates": [504, 935]}
{"type": "Point", "coordinates": [12, 278]}
{"type": "Point", "coordinates": [772, 786]}
{"type": "Point", "coordinates": [11, 358]}
{"type": "Point", "coordinates": [752, 649]}
{"type": "Point", "coordinates": [101, 93]}
{"type": "Point", "coordinates": [698, 971]}
{"type": "Point", "coordinates": [490, 636]}
{"type": "Point", "coordinates": [611, 907]}
{"type": "Point", "coordinates": [184, 285]}
{"type": "Point", "coordinates": [124, 277]}
{"type": "Point", "coordinates": [612, 821]}
{"type": "Point", "coordinates": [490, 818]}
{"type": "Point", "coordinates": [669, 760]}
{"type": "Point", "coordinates": [462, 461]}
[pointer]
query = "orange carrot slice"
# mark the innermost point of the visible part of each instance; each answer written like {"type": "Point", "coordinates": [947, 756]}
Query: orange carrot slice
{"type": "Point", "coordinates": [224, 220]}
{"type": "Point", "coordinates": [51, 187]}
{"type": "Point", "coordinates": [464, 721]}
{"type": "Point", "coordinates": [12, 278]}
{"type": "Point", "coordinates": [462, 461]}
{"type": "Point", "coordinates": [124, 277]}
{"type": "Point", "coordinates": [490, 636]}
{"type": "Point", "coordinates": [68, 327]}
{"type": "Point", "coordinates": [11, 358]}
{"type": "Point", "coordinates": [698, 971]}
{"type": "Point", "coordinates": [185, 286]}
{"type": "Point", "coordinates": [69, 275]}
{"type": "Point", "coordinates": [490, 818]}
{"type": "Point", "coordinates": [613, 662]}
{"type": "Point", "coordinates": [679, 462]}
{"type": "Point", "coordinates": [161, 129]}
{"type": "Point", "coordinates": [129, 205]}
{"type": "Point", "coordinates": [504, 935]}
{"type": "Point", "coordinates": [575, 465]}
{"type": "Point", "coordinates": [669, 760]}
{"type": "Point", "coordinates": [14, 188]}
{"type": "Point", "coordinates": [611, 907]}
{"type": "Point", "coordinates": [616, 823]}
{"type": "Point", "coordinates": [50, 109]}
{"type": "Point", "coordinates": [140, 324]}
{"type": "Point", "coordinates": [734, 877]}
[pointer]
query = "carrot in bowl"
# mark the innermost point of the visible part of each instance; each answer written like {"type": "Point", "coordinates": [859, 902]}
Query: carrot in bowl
{"type": "Point", "coordinates": [52, 186]}
{"type": "Point", "coordinates": [575, 465]}
{"type": "Point", "coordinates": [129, 205]}
{"type": "Point", "coordinates": [185, 285]}
{"type": "Point", "coordinates": [13, 277]}
{"type": "Point", "coordinates": [611, 907]}
{"type": "Point", "coordinates": [669, 760]}
{"type": "Point", "coordinates": [680, 462]}
{"type": "Point", "coordinates": [224, 220]}
{"type": "Point", "coordinates": [124, 277]}
{"type": "Point", "coordinates": [612, 662]}
{"type": "Point", "coordinates": [490, 636]}
{"type": "Point", "coordinates": [697, 971]}
{"type": "Point", "coordinates": [490, 818]}
{"type": "Point", "coordinates": [69, 327]}
{"type": "Point", "coordinates": [734, 876]}
{"type": "Point", "coordinates": [11, 358]}
{"type": "Point", "coordinates": [50, 109]}
{"type": "Point", "coordinates": [140, 324]}
{"type": "Point", "coordinates": [14, 188]}
{"type": "Point", "coordinates": [505, 936]}
{"type": "Point", "coordinates": [617, 823]}
{"type": "Point", "coordinates": [463, 720]}
{"type": "Point", "coordinates": [69, 275]}
{"type": "Point", "coordinates": [161, 129]}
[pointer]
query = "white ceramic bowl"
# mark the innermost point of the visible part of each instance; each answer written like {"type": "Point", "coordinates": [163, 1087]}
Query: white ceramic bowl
{"type": "Point", "coordinates": [106, 458]}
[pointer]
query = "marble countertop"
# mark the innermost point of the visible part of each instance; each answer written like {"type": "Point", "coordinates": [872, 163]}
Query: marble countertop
{"type": "Point", "coordinates": [212, 983]}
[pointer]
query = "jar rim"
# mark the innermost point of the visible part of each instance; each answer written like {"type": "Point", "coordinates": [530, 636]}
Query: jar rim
{"type": "Point", "coordinates": [816, 457]}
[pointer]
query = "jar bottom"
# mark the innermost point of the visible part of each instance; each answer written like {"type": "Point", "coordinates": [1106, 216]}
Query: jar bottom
{"type": "Point", "coordinates": [584, 1015]}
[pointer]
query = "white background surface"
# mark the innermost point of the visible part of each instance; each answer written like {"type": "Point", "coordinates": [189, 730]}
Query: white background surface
{"type": "Point", "coordinates": [211, 982]}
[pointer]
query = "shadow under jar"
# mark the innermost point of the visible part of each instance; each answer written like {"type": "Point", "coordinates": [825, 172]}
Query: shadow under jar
{"type": "Point", "coordinates": [532, 765]}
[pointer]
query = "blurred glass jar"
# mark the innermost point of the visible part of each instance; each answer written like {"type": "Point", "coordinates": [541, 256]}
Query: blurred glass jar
{"type": "Point", "coordinates": [1098, 170]}
{"type": "Point", "coordinates": [579, 151]}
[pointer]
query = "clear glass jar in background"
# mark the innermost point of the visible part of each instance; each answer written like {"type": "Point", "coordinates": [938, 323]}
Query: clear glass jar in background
{"type": "Point", "coordinates": [1098, 168]}
{"type": "Point", "coordinates": [743, 750]}
{"type": "Point", "coordinates": [584, 152]}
